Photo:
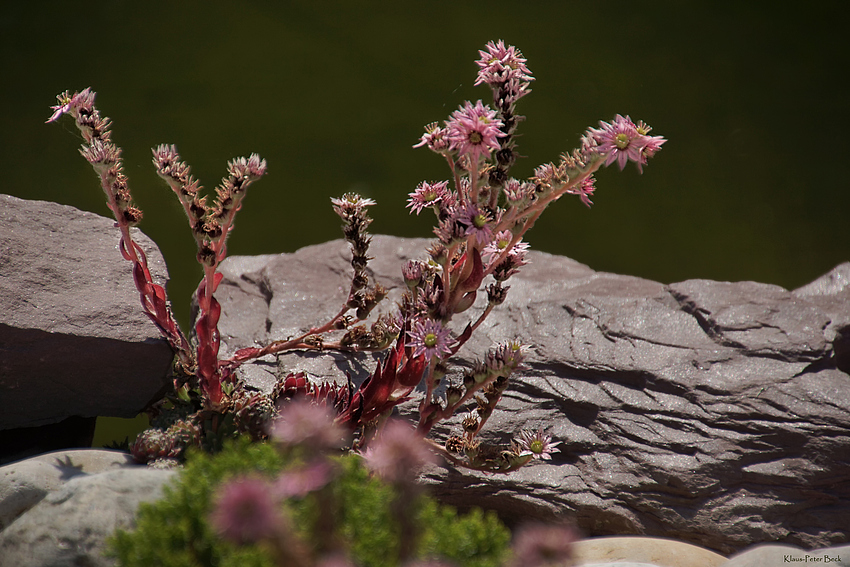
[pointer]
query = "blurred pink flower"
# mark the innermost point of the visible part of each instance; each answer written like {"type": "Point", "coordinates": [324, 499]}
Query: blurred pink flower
{"type": "Point", "coordinates": [398, 452]}
{"type": "Point", "coordinates": [301, 481]}
{"type": "Point", "coordinates": [307, 424]}
{"type": "Point", "coordinates": [245, 513]}
{"type": "Point", "coordinates": [540, 545]}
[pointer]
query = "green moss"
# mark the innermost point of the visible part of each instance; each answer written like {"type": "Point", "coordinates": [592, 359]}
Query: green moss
{"type": "Point", "coordinates": [174, 531]}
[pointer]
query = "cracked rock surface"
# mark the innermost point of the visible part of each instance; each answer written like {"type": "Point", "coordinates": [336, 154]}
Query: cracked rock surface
{"type": "Point", "coordinates": [709, 412]}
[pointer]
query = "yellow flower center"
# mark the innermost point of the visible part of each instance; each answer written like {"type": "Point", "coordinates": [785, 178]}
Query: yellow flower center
{"type": "Point", "coordinates": [430, 340]}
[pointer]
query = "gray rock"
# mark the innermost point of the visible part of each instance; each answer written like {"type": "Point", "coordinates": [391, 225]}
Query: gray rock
{"type": "Point", "coordinates": [73, 337]}
{"type": "Point", "coordinates": [637, 551]}
{"type": "Point", "coordinates": [25, 483]}
{"type": "Point", "coordinates": [709, 412]}
{"type": "Point", "coordinates": [70, 524]}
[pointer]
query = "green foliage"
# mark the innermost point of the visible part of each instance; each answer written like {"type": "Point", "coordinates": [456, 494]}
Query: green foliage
{"type": "Point", "coordinates": [476, 539]}
{"type": "Point", "coordinates": [174, 531]}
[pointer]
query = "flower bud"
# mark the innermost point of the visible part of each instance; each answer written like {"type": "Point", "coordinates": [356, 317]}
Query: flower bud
{"type": "Point", "coordinates": [453, 395]}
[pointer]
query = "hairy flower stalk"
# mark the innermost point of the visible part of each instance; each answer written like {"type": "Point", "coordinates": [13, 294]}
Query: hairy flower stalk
{"type": "Point", "coordinates": [362, 298]}
{"type": "Point", "coordinates": [211, 225]}
{"type": "Point", "coordinates": [105, 158]}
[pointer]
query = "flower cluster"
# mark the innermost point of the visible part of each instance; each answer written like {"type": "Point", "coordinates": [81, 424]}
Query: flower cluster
{"type": "Point", "coordinates": [210, 225]}
{"type": "Point", "coordinates": [482, 214]}
{"type": "Point", "coordinates": [105, 158]}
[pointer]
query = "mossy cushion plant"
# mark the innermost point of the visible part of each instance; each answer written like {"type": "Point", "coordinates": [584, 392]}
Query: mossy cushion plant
{"type": "Point", "coordinates": [177, 530]}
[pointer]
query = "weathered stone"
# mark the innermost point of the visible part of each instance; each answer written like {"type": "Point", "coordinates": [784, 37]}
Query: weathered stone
{"type": "Point", "coordinates": [74, 340]}
{"type": "Point", "coordinates": [90, 494]}
{"type": "Point", "coordinates": [650, 551]}
{"type": "Point", "coordinates": [25, 483]}
{"type": "Point", "coordinates": [709, 412]}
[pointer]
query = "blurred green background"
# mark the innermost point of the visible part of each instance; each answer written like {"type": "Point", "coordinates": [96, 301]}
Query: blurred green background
{"type": "Point", "coordinates": [752, 185]}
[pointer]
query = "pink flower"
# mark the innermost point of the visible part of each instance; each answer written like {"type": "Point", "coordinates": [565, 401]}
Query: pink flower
{"type": "Point", "coordinates": [435, 138]}
{"type": "Point", "coordinates": [516, 193]}
{"type": "Point", "coordinates": [619, 141]}
{"type": "Point", "coordinates": [622, 141]}
{"type": "Point", "coordinates": [398, 452]}
{"type": "Point", "coordinates": [653, 143]}
{"type": "Point", "coordinates": [412, 273]}
{"type": "Point", "coordinates": [427, 195]}
{"type": "Point", "coordinates": [301, 481]}
{"type": "Point", "coordinates": [244, 512]}
{"type": "Point", "coordinates": [242, 168]}
{"type": "Point", "coordinates": [350, 204]}
{"type": "Point", "coordinates": [69, 103]}
{"type": "Point", "coordinates": [473, 131]}
{"type": "Point", "coordinates": [500, 64]}
{"type": "Point", "coordinates": [537, 444]}
{"type": "Point", "coordinates": [477, 223]}
{"type": "Point", "coordinates": [498, 245]}
{"type": "Point", "coordinates": [429, 338]}
{"type": "Point", "coordinates": [584, 190]}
